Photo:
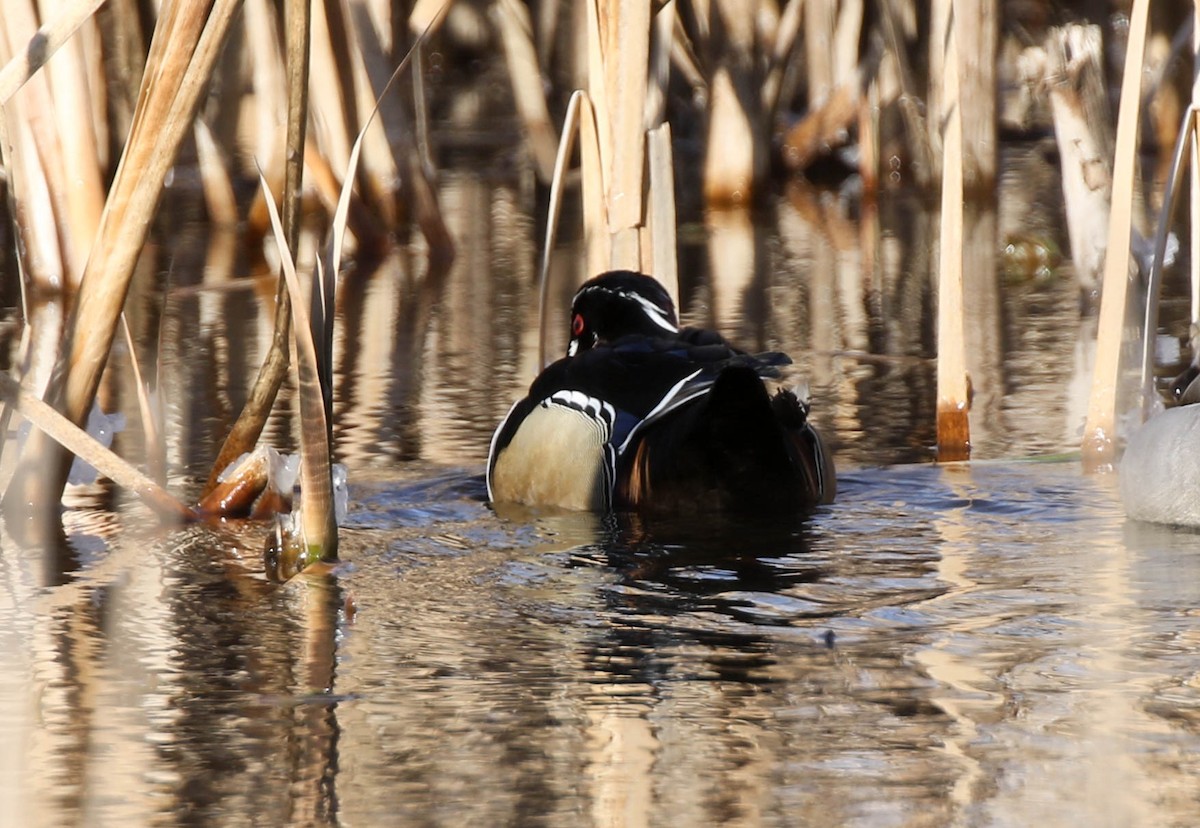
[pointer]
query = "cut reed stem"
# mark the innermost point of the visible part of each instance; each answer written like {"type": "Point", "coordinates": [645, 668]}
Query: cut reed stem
{"type": "Point", "coordinates": [953, 425]}
{"type": "Point", "coordinates": [1099, 438]}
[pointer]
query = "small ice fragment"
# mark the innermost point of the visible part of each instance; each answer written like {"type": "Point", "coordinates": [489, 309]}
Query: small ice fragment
{"type": "Point", "coordinates": [1167, 349]}
{"type": "Point", "coordinates": [102, 427]}
{"type": "Point", "coordinates": [341, 493]}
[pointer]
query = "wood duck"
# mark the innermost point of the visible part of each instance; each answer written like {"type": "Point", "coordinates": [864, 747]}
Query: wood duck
{"type": "Point", "coordinates": [644, 415]}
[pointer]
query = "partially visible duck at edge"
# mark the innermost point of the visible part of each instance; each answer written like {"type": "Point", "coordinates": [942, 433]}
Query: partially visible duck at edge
{"type": "Point", "coordinates": [643, 415]}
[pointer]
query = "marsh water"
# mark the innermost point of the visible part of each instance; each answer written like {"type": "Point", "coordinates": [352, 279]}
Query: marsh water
{"type": "Point", "coordinates": [987, 643]}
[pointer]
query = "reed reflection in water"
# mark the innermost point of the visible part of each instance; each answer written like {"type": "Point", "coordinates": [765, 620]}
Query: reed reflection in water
{"type": "Point", "coordinates": [984, 644]}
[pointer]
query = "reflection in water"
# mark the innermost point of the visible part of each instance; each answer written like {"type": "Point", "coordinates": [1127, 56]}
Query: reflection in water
{"type": "Point", "coordinates": [938, 647]}
{"type": "Point", "coordinates": [981, 644]}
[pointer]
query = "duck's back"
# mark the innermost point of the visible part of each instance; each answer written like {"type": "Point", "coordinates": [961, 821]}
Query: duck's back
{"type": "Point", "coordinates": [659, 424]}
{"type": "Point", "coordinates": [736, 448]}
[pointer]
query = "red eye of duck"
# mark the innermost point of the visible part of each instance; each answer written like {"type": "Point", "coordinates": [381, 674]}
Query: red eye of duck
{"type": "Point", "coordinates": [577, 325]}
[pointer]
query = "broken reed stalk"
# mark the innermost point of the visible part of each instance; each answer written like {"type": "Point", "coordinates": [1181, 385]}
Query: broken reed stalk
{"type": "Point", "coordinates": [187, 40]}
{"type": "Point", "coordinates": [85, 447]}
{"type": "Point", "coordinates": [253, 418]}
{"type": "Point", "coordinates": [953, 424]}
{"type": "Point", "coordinates": [1099, 437]}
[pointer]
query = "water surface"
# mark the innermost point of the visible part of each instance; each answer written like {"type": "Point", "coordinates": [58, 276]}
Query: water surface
{"type": "Point", "coordinates": [988, 643]}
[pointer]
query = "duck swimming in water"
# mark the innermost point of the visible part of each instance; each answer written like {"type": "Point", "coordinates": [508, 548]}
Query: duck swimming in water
{"type": "Point", "coordinates": [644, 415]}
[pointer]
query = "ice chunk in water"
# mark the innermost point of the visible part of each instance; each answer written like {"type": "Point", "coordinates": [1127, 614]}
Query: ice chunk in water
{"type": "Point", "coordinates": [1160, 472]}
{"type": "Point", "coordinates": [101, 426]}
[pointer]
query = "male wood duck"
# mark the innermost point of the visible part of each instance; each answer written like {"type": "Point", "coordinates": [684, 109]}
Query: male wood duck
{"type": "Point", "coordinates": [644, 415]}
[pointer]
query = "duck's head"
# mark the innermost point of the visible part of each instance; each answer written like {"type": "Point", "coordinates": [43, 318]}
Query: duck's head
{"type": "Point", "coordinates": [616, 304]}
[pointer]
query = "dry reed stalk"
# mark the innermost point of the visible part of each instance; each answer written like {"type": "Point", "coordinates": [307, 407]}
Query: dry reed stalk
{"type": "Point", "coordinates": [1099, 433]}
{"type": "Point", "coordinates": [39, 257]}
{"type": "Point", "coordinates": [1186, 136]}
{"type": "Point", "coordinates": [341, 95]}
{"type": "Point", "coordinates": [627, 183]}
{"type": "Point", "coordinates": [870, 151]}
{"type": "Point", "coordinates": [80, 152]}
{"type": "Point", "coordinates": [828, 122]}
{"type": "Point", "coordinates": [1194, 212]}
{"type": "Point", "coordinates": [252, 419]}
{"type": "Point", "coordinates": [662, 37]}
{"type": "Point", "coordinates": [920, 135]}
{"type": "Point", "coordinates": [390, 143]}
{"type": "Point", "coordinates": [40, 191]}
{"type": "Point", "coordinates": [516, 34]}
{"type": "Point", "coordinates": [123, 44]}
{"type": "Point", "coordinates": [734, 153]}
{"type": "Point", "coordinates": [150, 408]}
{"type": "Point", "coordinates": [846, 34]}
{"type": "Point", "coordinates": [785, 36]}
{"type": "Point", "coordinates": [683, 57]}
{"type": "Point", "coordinates": [976, 26]}
{"type": "Point", "coordinates": [176, 74]}
{"type": "Point", "coordinates": [297, 68]}
{"type": "Point", "coordinates": [593, 193]}
{"type": "Point", "coordinates": [219, 198]}
{"type": "Point", "coordinates": [31, 365]}
{"type": "Point", "coordinates": [983, 329]}
{"type": "Point", "coordinates": [49, 37]}
{"type": "Point", "coordinates": [660, 240]}
{"type": "Point", "coordinates": [935, 106]}
{"type": "Point", "coordinates": [818, 51]}
{"type": "Point", "coordinates": [268, 104]}
{"type": "Point", "coordinates": [566, 146]}
{"type": "Point", "coordinates": [427, 16]}
{"type": "Point", "coordinates": [402, 120]}
{"type": "Point", "coordinates": [313, 340]}
{"type": "Point", "coordinates": [332, 106]}
{"type": "Point", "coordinates": [1079, 104]}
{"type": "Point", "coordinates": [619, 49]}
{"type": "Point", "coordinates": [318, 524]}
{"type": "Point", "coordinates": [953, 403]}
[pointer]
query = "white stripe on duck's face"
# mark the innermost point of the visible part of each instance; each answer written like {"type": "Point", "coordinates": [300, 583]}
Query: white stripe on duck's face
{"type": "Point", "coordinates": [556, 458]}
{"type": "Point", "coordinates": [617, 304]}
